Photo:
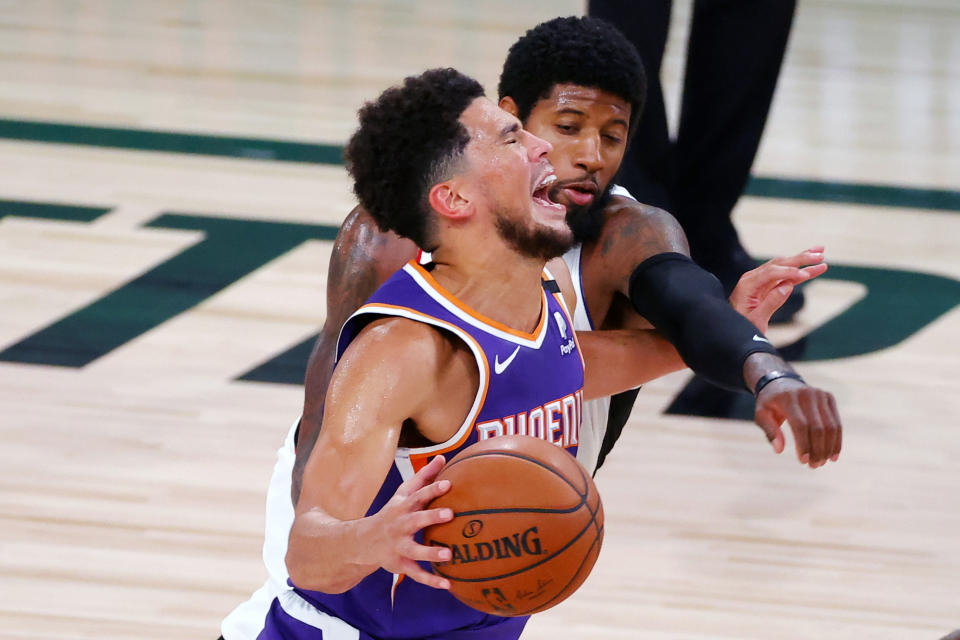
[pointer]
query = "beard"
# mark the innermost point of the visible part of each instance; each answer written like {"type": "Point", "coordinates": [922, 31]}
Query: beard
{"type": "Point", "coordinates": [587, 221]}
{"type": "Point", "coordinates": [533, 241]}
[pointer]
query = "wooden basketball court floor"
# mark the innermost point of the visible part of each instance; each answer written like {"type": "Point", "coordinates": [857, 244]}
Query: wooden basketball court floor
{"type": "Point", "coordinates": [169, 184]}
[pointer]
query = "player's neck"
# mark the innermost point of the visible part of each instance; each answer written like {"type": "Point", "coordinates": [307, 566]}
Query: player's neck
{"type": "Point", "coordinates": [496, 282]}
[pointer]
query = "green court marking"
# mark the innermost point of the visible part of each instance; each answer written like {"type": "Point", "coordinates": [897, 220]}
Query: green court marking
{"type": "Point", "coordinates": [50, 211]}
{"type": "Point", "coordinates": [289, 367]}
{"type": "Point", "coordinates": [147, 140]}
{"type": "Point", "coordinates": [230, 249]}
{"type": "Point", "coordinates": [290, 151]}
{"type": "Point", "coordinates": [854, 193]}
{"type": "Point", "coordinates": [898, 304]}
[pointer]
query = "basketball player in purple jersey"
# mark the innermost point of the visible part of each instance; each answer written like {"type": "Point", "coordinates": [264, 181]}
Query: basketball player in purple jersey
{"type": "Point", "coordinates": [437, 162]}
{"type": "Point", "coordinates": [578, 83]}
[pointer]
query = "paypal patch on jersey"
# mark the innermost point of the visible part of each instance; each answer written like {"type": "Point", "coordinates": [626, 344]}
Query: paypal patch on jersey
{"type": "Point", "coordinates": [530, 383]}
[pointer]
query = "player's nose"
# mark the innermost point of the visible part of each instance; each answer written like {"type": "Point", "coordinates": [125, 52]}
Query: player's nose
{"type": "Point", "coordinates": [588, 157]}
{"type": "Point", "coordinates": [537, 148]}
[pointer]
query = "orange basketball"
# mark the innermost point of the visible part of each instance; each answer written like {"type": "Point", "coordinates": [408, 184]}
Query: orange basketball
{"type": "Point", "coordinates": [527, 525]}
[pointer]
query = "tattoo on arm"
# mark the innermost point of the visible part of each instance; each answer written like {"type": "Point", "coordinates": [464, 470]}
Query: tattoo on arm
{"type": "Point", "coordinates": [635, 232]}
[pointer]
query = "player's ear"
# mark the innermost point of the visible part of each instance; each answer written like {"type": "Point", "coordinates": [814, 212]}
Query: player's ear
{"type": "Point", "coordinates": [449, 202]}
{"type": "Point", "coordinates": [507, 104]}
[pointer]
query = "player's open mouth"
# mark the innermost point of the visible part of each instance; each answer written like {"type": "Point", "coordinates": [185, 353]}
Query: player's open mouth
{"type": "Point", "coordinates": [541, 194]}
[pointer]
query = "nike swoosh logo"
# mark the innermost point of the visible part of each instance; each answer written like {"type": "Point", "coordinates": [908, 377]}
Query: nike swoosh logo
{"type": "Point", "coordinates": [500, 367]}
{"type": "Point", "coordinates": [757, 338]}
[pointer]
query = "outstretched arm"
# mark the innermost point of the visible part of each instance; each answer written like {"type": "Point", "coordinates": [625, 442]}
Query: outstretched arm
{"type": "Point", "coordinates": [363, 258]}
{"type": "Point", "coordinates": [645, 253]}
{"type": "Point", "coordinates": [622, 359]}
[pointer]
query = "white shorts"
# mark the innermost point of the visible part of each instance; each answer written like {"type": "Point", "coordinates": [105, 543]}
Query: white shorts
{"type": "Point", "coordinates": [246, 621]}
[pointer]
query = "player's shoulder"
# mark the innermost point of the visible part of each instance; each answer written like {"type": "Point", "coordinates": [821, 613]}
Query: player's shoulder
{"type": "Point", "coordinates": [623, 212]}
{"type": "Point", "coordinates": [634, 231]}
{"type": "Point", "coordinates": [361, 239]}
{"type": "Point", "coordinates": [400, 342]}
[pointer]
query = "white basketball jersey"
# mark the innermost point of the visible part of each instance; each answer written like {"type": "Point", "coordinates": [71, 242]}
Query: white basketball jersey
{"type": "Point", "coordinates": [593, 425]}
{"type": "Point", "coordinates": [595, 412]}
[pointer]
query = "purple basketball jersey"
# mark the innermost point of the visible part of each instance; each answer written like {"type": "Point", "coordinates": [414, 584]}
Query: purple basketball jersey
{"type": "Point", "coordinates": [529, 384]}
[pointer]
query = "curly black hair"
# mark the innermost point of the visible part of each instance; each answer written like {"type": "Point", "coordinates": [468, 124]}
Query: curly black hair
{"type": "Point", "coordinates": [580, 50]}
{"type": "Point", "coordinates": [409, 139]}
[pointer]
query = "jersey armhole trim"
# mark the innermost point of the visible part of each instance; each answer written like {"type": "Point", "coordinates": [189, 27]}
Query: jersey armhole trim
{"type": "Point", "coordinates": [417, 456]}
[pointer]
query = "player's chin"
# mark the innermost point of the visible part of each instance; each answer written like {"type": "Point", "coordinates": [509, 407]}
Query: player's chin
{"type": "Point", "coordinates": [554, 240]}
{"type": "Point", "coordinates": [553, 220]}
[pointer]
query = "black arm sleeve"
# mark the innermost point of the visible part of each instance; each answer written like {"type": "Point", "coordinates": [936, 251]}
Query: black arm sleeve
{"type": "Point", "coordinates": [686, 304]}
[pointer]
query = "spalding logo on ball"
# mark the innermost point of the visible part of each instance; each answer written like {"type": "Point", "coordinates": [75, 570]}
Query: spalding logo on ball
{"type": "Point", "coordinates": [527, 525]}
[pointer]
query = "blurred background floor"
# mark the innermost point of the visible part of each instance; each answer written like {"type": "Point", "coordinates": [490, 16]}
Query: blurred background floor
{"type": "Point", "coordinates": [169, 186]}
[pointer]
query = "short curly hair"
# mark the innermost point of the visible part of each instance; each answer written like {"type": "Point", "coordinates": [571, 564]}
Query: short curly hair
{"type": "Point", "coordinates": [410, 139]}
{"type": "Point", "coordinates": [580, 50]}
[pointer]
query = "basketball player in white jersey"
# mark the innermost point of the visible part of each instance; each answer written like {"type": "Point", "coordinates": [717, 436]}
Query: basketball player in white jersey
{"type": "Point", "coordinates": [577, 83]}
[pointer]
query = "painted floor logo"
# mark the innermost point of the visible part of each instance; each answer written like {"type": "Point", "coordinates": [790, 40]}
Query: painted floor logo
{"type": "Point", "coordinates": [897, 305]}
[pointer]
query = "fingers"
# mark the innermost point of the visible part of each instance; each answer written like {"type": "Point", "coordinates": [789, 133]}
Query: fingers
{"type": "Point", "coordinates": [818, 436]}
{"type": "Point", "coordinates": [776, 274]}
{"type": "Point", "coordinates": [411, 552]}
{"type": "Point", "coordinates": [768, 305]}
{"type": "Point", "coordinates": [763, 279]}
{"type": "Point", "coordinates": [423, 477]}
{"type": "Point", "coordinates": [415, 572]}
{"type": "Point", "coordinates": [411, 515]}
{"type": "Point", "coordinates": [799, 426]}
{"type": "Point", "coordinates": [795, 269]}
{"type": "Point", "coordinates": [831, 417]}
{"type": "Point", "coordinates": [819, 409]}
{"type": "Point", "coordinates": [420, 519]}
{"type": "Point", "coordinates": [425, 495]}
{"type": "Point", "coordinates": [813, 418]}
{"type": "Point", "coordinates": [407, 552]}
{"type": "Point", "coordinates": [801, 438]}
{"type": "Point", "coordinates": [830, 427]}
{"type": "Point", "coordinates": [816, 426]}
{"type": "Point", "coordinates": [770, 422]}
{"type": "Point", "coordinates": [815, 271]}
{"type": "Point", "coordinates": [813, 255]}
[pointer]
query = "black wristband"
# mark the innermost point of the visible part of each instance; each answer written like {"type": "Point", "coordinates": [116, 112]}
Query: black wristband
{"type": "Point", "coordinates": [769, 377]}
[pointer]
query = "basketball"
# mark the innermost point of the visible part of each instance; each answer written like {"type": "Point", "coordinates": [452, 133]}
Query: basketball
{"type": "Point", "coordinates": [527, 525]}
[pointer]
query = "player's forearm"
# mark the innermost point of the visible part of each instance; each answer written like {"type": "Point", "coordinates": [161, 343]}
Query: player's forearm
{"type": "Point", "coordinates": [329, 555]}
{"type": "Point", "coordinates": [615, 361]}
{"type": "Point", "coordinates": [687, 304]}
